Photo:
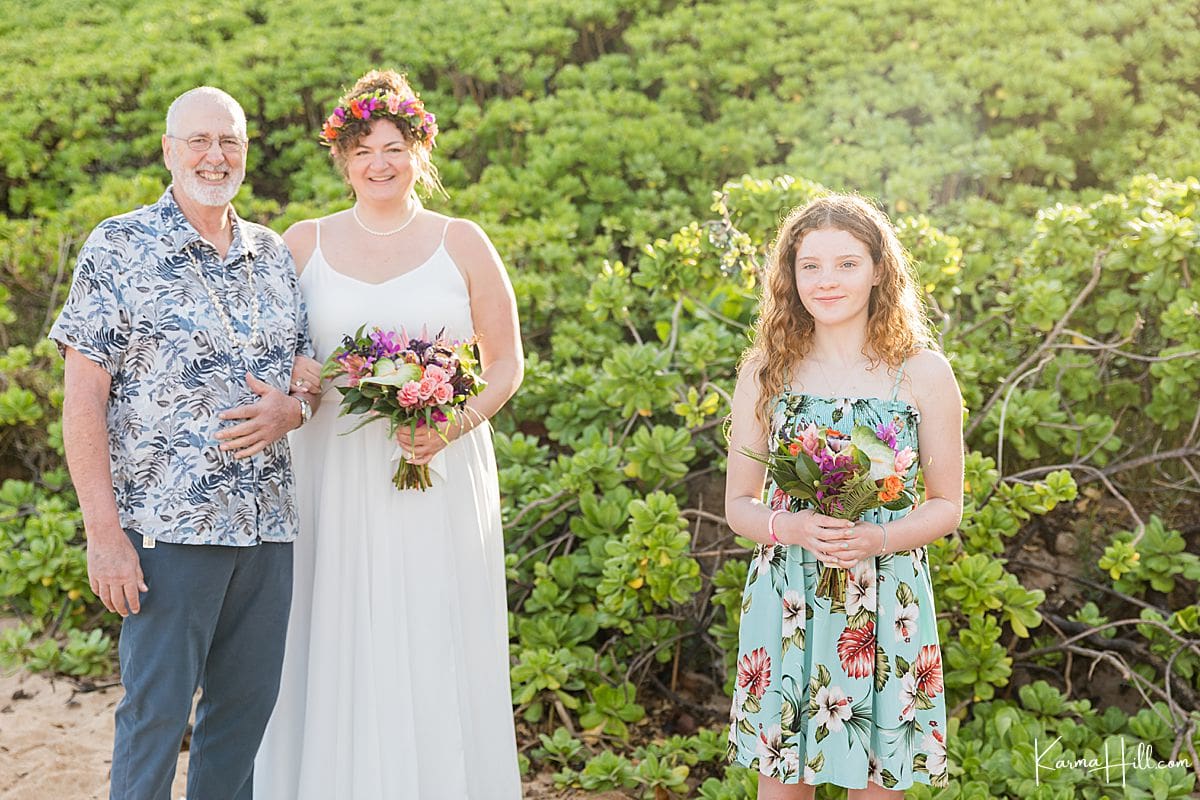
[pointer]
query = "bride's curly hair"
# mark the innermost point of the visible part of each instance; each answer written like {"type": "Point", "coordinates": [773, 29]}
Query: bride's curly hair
{"type": "Point", "coordinates": [897, 326]}
{"type": "Point", "coordinates": [386, 81]}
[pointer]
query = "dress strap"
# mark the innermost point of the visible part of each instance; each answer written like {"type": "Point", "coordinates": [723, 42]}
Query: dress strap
{"type": "Point", "coordinates": [445, 228]}
{"type": "Point", "coordinates": [318, 244]}
{"type": "Point", "coordinates": [899, 375]}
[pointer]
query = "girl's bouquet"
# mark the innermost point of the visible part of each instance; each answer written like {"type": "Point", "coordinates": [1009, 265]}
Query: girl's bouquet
{"type": "Point", "coordinates": [842, 477]}
{"type": "Point", "coordinates": [409, 382]}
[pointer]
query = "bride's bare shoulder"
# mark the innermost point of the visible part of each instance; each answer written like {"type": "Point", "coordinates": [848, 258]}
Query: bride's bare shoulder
{"type": "Point", "coordinates": [302, 238]}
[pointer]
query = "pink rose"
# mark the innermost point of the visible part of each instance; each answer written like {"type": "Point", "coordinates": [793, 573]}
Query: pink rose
{"type": "Point", "coordinates": [437, 373]}
{"type": "Point", "coordinates": [409, 394]}
{"type": "Point", "coordinates": [393, 103]}
{"type": "Point", "coordinates": [444, 393]}
{"type": "Point", "coordinates": [904, 460]}
{"type": "Point", "coordinates": [427, 387]}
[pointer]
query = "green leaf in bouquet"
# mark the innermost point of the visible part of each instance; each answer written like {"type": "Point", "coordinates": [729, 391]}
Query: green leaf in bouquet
{"type": "Point", "coordinates": [907, 499]}
{"type": "Point", "coordinates": [798, 490]}
{"type": "Point", "coordinates": [361, 405]}
{"type": "Point", "coordinates": [806, 469]}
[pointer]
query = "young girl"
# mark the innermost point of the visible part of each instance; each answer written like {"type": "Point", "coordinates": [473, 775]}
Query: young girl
{"type": "Point", "coordinates": [842, 692]}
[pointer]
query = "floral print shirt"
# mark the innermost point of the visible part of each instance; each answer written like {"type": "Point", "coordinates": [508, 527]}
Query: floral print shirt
{"type": "Point", "coordinates": [138, 308]}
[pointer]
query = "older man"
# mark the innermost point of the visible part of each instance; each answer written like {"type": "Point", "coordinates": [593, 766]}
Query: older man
{"type": "Point", "coordinates": [179, 333]}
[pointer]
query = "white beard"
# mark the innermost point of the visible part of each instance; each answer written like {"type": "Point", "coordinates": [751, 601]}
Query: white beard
{"type": "Point", "coordinates": [205, 193]}
{"type": "Point", "coordinates": [208, 194]}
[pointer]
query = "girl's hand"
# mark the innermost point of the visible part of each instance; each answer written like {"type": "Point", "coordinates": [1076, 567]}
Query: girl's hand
{"type": "Point", "coordinates": [866, 539]}
{"type": "Point", "coordinates": [835, 542]}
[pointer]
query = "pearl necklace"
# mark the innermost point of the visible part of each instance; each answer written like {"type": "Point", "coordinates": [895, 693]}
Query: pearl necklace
{"type": "Point", "coordinates": [236, 342]}
{"type": "Point", "coordinates": [416, 209]}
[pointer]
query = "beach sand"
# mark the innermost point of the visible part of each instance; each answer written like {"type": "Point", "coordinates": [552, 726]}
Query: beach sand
{"type": "Point", "coordinates": [56, 744]}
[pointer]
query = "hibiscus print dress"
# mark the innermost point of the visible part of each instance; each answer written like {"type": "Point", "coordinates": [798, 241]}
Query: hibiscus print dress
{"type": "Point", "coordinates": [840, 692]}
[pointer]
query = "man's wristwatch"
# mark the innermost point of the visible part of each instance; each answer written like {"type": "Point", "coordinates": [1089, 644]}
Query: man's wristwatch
{"type": "Point", "coordinates": [305, 411]}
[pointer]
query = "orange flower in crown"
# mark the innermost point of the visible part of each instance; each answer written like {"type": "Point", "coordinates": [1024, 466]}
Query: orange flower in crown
{"type": "Point", "coordinates": [406, 110]}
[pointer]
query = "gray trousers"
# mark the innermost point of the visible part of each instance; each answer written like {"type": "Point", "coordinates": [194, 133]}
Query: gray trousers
{"type": "Point", "coordinates": [215, 617]}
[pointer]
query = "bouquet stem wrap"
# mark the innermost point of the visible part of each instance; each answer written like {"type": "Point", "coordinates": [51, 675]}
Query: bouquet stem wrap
{"type": "Point", "coordinates": [412, 476]}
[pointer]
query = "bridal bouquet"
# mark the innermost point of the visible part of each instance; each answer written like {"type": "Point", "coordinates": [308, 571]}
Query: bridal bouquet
{"type": "Point", "coordinates": [842, 477]}
{"type": "Point", "coordinates": [410, 382]}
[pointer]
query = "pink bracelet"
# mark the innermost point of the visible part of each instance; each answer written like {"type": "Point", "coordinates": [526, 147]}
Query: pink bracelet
{"type": "Point", "coordinates": [771, 525]}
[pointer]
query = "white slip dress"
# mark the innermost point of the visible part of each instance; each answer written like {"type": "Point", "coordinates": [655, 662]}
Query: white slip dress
{"type": "Point", "coordinates": [395, 679]}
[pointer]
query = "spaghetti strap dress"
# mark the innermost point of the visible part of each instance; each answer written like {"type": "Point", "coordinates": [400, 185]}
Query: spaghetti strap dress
{"type": "Point", "coordinates": [840, 692]}
{"type": "Point", "coordinates": [395, 681]}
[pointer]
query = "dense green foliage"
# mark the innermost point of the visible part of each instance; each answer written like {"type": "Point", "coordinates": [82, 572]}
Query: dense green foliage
{"type": "Point", "coordinates": [587, 138]}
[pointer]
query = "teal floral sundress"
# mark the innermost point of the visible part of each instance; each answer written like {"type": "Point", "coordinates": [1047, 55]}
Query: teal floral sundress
{"type": "Point", "coordinates": [840, 692]}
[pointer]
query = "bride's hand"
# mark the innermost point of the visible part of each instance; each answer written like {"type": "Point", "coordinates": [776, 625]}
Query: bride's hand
{"type": "Point", "coordinates": [421, 447]}
{"type": "Point", "coordinates": [306, 380]}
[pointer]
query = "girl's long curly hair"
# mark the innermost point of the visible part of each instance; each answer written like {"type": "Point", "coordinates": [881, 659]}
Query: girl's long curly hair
{"type": "Point", "coordinates": [897, 326]}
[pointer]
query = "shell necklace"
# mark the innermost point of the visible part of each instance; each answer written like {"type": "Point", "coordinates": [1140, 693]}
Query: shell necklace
{"type": "Point", "coordinates": [416, 208]}
{"type": "Point", "coordinates": [237, 343]}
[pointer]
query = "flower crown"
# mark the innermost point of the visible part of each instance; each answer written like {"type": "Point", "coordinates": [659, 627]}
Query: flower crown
{"type": "Point", "coordinates": [402, 108]}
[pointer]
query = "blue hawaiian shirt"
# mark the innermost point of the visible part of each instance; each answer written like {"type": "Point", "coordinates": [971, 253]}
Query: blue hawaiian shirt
{"type": "Point", "coordinates": [138, 308]}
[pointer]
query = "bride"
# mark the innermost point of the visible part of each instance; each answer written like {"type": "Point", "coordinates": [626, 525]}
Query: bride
{"type": "Point", "coordinates": [395, 679]}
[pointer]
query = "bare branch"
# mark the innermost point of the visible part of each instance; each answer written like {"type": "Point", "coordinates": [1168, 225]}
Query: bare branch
{"type": "Point", "coordinates": [1114, 347]}
{"type": "Point", "coordinates": [1055, 332]}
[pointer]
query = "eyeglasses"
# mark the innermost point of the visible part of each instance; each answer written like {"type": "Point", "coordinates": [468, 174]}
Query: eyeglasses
{"type": "Point", "coordinates": [201, 144]}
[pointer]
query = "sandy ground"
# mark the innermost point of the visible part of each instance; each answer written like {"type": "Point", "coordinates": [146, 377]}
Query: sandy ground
{"type": "Point", "coordinates": [56, 744]}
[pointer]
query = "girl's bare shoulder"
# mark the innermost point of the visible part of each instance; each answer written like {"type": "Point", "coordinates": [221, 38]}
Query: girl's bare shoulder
{"type": "Point", "coordinates": [931, 375]}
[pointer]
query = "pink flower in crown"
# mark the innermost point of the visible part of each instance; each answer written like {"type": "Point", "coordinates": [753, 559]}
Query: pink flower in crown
{"type": "Point", "coordinates": [409, 394]}
{"type": "Point", "coordinates": [393, 103]}
{"type": "Point", "coordinates": [904, 460]}
{"type": "Point", "coordinates": [444, 393]}
{"type": "Point", "coordinates": [427, 387]}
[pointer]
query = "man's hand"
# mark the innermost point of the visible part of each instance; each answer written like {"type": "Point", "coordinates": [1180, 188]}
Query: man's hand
{"type": "Point", "coordinates": [114, 572]}
{"type": "Point", "coordinates": [267, 420]}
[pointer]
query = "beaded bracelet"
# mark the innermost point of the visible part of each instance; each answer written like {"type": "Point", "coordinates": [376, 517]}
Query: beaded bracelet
{"type": "Point", "coordinates": [771, 525]}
